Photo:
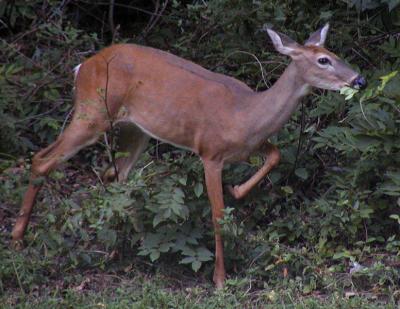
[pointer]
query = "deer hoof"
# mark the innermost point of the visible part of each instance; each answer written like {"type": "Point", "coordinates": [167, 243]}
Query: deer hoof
{"type": "Point", "coordinates": [17, 244]}
{"type": "Point", "coordinates": [219, 285]}
{"type": "Point", "coordinates": [109, 175]}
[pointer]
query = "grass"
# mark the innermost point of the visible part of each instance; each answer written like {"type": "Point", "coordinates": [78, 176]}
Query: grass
{"type": "Point", "coordinates": [134, 283]}
{"type": "Point", "coordinates": [146, 292]}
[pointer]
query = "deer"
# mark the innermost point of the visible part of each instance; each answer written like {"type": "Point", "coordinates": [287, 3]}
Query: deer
{"type": "Point", "coordinates": [155, 94]}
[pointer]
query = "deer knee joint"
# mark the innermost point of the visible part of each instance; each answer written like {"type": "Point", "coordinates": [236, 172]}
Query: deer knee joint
{"type": "Point", "coordinates": [274, 156]}
{"type": "Point", "coordinates": [235, 191]}
{"type": "Point", "coordinates": [37, 163]}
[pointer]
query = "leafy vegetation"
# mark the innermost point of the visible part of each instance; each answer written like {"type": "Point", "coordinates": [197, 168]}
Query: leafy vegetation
{"type": "Point", "coordinates": [321, 231]}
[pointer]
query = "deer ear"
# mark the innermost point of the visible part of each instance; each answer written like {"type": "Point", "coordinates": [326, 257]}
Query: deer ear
{"type": "Point", "coordinates": [283, 43]}
{"type": "Point", "coordinates": [318, 37]}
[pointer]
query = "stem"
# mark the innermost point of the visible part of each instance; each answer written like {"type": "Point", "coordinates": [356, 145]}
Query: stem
{"type": "Point", "coordinates": [18, 278]}
{"type": "Point", "coordinates": [111, 19]}
{"type": "Point", "coordinates": [300, 137]}
{"type": "Point", "coordinates": [111, 144]}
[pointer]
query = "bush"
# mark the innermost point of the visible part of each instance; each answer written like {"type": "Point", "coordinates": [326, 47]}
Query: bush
{"type": "Point", "coordinates": [331, 202]}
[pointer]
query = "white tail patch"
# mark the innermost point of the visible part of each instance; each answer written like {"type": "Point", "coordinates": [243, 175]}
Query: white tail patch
{"type": "Point", "coordinates": [76, 70]}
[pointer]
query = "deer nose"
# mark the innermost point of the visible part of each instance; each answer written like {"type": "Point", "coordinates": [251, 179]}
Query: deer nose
{"type": "Point", "coordinates": [359, 82]}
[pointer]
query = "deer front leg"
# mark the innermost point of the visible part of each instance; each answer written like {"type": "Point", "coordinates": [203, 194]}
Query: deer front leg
{"type": "Point", "coordinates": [273, 157]}
{"type": "Point", "coordinates": [213, 171]}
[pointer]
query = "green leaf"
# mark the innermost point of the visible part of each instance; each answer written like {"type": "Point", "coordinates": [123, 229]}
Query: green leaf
{"type": "Point", "coordinates": [365, 213]}
{"type": "Point", "coordinates": [176, 208]}
{"type": "Point", "coordinates": [121, 154]}
{"type": "Point", "coordinates": [164, 247]}
{"type": "Point", "coordinates": [52, 94]}
{"type": "Point", "coordinates": [196, 265]}
{"type": "Point", "coordinates": [51, 218]}
{"type": "Point", "coordinates": [108, 236]}
{"type": "Point", "coordinates": [287, 189]}
{"type": "Point", "coordinates": [178, 195]}
{"type": "Point", "coordinates": [204, 254]}
{"type": "Point", "coordinates": [187, 260]}
{"type": "Point", "coordinates": [392, 4]}
{"type": "Point", "coordinates": [255, 160]}
{"type": "Point", "coordinates": [151, 240]}
{"type": "Point", "coordinates": [301, 173]}
{"type": "Point", "coordinates": [39, 181]}
{"type": "Point", "coordinates": [184, 213]}
{"type": "Point", "coordinates": [155, 254]}
{"type": "Point", "coordinates": [86, 258]}
{"type": "Point", "coordinates": [198, 189]}
{"type": "Point", "coordinates": [158, 218]}
{"type": "Point", "coordinates": [385, 79]}
{"type": "Point", "coordinates": [395, 217]}
{"type": "Point", "coordinates": [326, 15]}
{"type": "Point", "coordinates": [348, 92]}
{"type": "Point", "coordinates": [183, 180]}
{"type": "Point", "coordinates": [340, 255]}
{"type": "Point", "coordinates": [275, 176]}
{"type": "Point", "coordinates": [57, 175]}
{"type": "Point", "coordinates": [188, 251]}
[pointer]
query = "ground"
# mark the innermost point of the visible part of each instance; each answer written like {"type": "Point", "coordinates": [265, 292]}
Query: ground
{"type": "Point", "coordinates": [43, 277]}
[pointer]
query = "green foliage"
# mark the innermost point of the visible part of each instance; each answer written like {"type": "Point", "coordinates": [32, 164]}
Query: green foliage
{"type": "Point", "coordinates": [364, 5]}
{"type": "Point", "coordinates": [161, 213]}
{"type": "Point", "coordinates": [332, 203]}
{"type": "Point", "coordinates": [36, 75]}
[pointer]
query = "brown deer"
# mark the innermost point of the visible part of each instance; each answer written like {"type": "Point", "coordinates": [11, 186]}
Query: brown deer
{"type": "Point", "coordinates": [153, 93]}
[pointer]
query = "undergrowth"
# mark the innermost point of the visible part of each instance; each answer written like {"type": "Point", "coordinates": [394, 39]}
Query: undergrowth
{"type": "Point", "coordinates": [320, 231]}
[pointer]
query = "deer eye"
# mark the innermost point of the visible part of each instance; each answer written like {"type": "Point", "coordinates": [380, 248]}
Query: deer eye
{"type": "Point", "coordinates": [324, 61]}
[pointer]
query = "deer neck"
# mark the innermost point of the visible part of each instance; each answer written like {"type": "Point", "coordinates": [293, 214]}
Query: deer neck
{"type": "Point", "coordinates": [275, 105]}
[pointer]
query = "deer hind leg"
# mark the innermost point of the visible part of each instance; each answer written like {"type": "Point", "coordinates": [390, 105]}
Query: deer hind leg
{"type": "Point", "coordinates": [213, 171]}
{"type": "Point", "coordinates": [74, 138]}
{"type": "Point", "coordinates": [273, 158]}
{"type": "Point", "coordinates": [131, 142]}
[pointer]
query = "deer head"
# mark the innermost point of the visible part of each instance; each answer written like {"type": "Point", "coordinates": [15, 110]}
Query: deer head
{"type": "Point", "coordinates": [316, 65]}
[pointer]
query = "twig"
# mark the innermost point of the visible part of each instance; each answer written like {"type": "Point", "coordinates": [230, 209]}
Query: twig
{"type": "Point", "coordinates": [111, 19]}
{"type": "Point", "coordinates": [6, 26]}
{"type": "Point", "coordinates": [362, 111]}
{"type": "Point", "coordinates": [392, 105]}
{"type": "Point", "coordinates": [41, 114]}
{"type": "Point", "coordinates": [18, 278]}
{"type": "Point", "coordinates": [30, 31]}
{"type": "Point", "coordinates": [8, 155]}
{"type": "Point", "coordinates": [258, 61]}
{"type": "Point", "coordinates": [88, 12]}
{"type": "Point", "coordinates": [62, 5]}
{"type": "Point", "coordinates": [157, 5]}
{"type": "Point", "coordinates": [66, 119]}
{"type": "Point", "coordinates": [300, 137]}
{"type": "Point", "coordinates": [99, 178]}
{"type": "Point", "coordinates": [146, 166]}
{"type": "Point", "coordinates": [107, 144]}
{"type": "Point", "coordinates": [363, 57]}
{"type": "Point", "coordinates": [154, 18]}
{"type": "Point", "coordinates": [123, 6]}
{"type": "Point", "coordinates": [111, 145]}
{"type": "Point", "coordinates": [28, 59]}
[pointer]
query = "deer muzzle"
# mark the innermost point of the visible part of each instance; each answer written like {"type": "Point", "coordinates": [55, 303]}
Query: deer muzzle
{"type": "Point", "coordinates": [359, 82]}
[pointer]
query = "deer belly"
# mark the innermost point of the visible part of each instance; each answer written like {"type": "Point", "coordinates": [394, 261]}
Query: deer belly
{"type": "Point", "coordinates": [161, 130]}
